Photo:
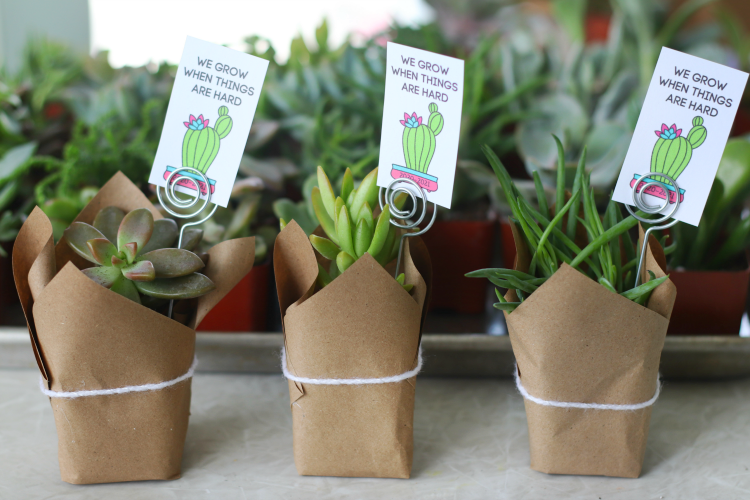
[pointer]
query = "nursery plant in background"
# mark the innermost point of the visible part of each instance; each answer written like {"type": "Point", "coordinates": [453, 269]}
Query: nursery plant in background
{"type": "Point", "coordinates": [577, 324]}
{"type": "Point", "coordinates": [595, 90]}
{"type": "Point", "coordinates": [713, 256]}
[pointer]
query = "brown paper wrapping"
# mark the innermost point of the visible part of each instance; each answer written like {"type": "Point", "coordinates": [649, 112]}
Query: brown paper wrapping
{"type": "Point", "coordinates": [86, 337]}
{"type": "Point", "coordinates": [574, 341]}
{"type": "Point", "coordinates": [362, 325]}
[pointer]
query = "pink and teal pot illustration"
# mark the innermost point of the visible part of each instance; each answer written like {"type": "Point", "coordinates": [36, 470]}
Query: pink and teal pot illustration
{"type": "Point", "coordinates": [200, 147]}
{"type": "Point", "coordinates": [419, 147]}
{"type": "Point", "coordinates": [671, 155]}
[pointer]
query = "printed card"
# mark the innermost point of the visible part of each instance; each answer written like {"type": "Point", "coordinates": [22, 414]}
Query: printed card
{"type": "Point", "coordinates": [681, 132]}
{"type": "Point", "coordinates": [208, 120]}
{"type": "Point", "coordinates": [421, 120]}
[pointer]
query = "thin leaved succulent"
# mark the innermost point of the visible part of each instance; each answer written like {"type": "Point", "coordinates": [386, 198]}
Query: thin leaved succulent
{"type": "Point", "coordinates": [352, 228]}
{"type": "Point", "coordinates": [608, 257]}
{"type": "Point", "coordinates": [133, 255]}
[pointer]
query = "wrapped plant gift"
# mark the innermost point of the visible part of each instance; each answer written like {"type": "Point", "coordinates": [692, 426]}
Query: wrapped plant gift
{"type": "Point", "coordinates": [352, 335]}
{"type": "Point", "coordinates": [117, 370]}
{"type": "Point", "coordinates": [587, 347]}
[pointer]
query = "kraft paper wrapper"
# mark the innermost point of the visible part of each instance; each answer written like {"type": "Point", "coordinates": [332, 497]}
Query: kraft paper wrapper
{"type": "Point", "coordinates": [86, 337]}
{"type": "Point", "coordinates": [362, 325]}
{"type": "Point", "coordinates": [574, 341]}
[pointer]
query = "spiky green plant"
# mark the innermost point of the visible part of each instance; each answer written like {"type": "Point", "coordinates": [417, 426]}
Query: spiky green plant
{"type": "Point", "coordinates": [352, 228]}
{"type": "Point", "coordinates": [133, 255]}
{"type": "Point", "coordinates": [550, 244]}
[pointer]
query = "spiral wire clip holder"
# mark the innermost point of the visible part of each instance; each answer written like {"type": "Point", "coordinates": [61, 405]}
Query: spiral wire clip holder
{"type": "Point", "coordinates": [652, 209]}
{"type": "Point", "coordinates": [184, 203]}
{"type": "Point", "coordinates": [389, 194]}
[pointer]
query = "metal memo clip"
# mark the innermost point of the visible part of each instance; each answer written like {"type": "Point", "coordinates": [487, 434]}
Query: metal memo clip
{"type": "Point", "coordinates": [189, 179]}
{"type": "Point", "coordinates": [390, 194]}
{"type": "Point", "coordinates": [639, 189]}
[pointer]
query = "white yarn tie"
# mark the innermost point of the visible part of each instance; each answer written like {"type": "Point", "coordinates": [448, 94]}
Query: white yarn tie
{"type": "Point", "coordinates": [587, 406]}
{"type": "Point", "coordinates": [350, 381]}
{"type": "Point", "coordinates": [119, 390]}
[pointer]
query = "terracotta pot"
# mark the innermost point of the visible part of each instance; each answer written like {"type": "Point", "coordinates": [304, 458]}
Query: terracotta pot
{"type": "Point", "coordinates": [245, 308]}
{"type": "Point", "coordinates": [708, 302]}
{"type": "Point", "coordinates": [597, 28]}
{"type": "Point", "coordinates": [457, 247]}
{"type": "Point", "coordinates": [507, 244]}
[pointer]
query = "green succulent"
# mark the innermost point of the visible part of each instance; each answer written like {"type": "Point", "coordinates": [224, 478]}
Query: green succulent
{"type": "Point", "coordinates": [352, 228]}
{"type": "Point", "coordinates": [608, 257]}
{"type": "Point", "coordinates": [133, 255]}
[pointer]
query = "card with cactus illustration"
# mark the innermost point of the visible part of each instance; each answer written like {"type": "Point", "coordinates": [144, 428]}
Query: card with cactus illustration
{"type": "Point", "coordinates": [690, 106]}
{"type": "Point", "coordinates": [208, 120]}
{"type": "Point", "coordinates": [421, 121]}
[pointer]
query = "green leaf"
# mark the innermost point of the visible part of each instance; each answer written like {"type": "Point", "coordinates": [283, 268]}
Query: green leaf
{"type": "Point", "coordinates": [366, 192]}
{"type": "Point", "coordinates": [321, 213]}
{"type": "Point", "coordinates": [104, 276]}
{"type": "Point", "coordinates": [326, 192]}
{"type": "Point", "coordinates": [191, 237]}
{"type": "Point", "coordinates": [325, 247]}
{"type": "Point", "coordinates": [172, 262]}
{"type": "Point", "coordinates": [343, 261]}
{"type": "Point", "coordinates": [140, 271]}
{"type": "Point", "coordinates": [362, 238]}
{"type": "Point", "coordinates": [126, 288]}
{"type": "Point", "coordinates": [16, 161]}
{"type": "Point", "coordinates": [77, 236]}
{"type": "Point", "coordinates": [102, 250]}
{"type": "Point", "coordinates": [184, 287]}
{"type": "Point", "coordinates": [108, 221]}
{"type": "Point", "coordinates": [344, 228]}
{"type": "Point", "coordinates": [164, 236]}
{"type": "Point", "coordinates": [136, 227]}
{"type": "Point", "coordinates": [347, 185]}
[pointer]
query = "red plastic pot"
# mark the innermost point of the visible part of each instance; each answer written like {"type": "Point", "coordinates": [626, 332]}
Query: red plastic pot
{"type": "Point", "coordinates": [457, 247]}
{"type": "Point", "coordinates": [708, 302]}
{"type": "Point", "coordinates": [245, 308]}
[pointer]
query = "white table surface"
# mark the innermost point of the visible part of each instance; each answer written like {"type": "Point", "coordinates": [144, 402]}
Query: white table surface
{"type": "Point", "coordinates": [470, 443]}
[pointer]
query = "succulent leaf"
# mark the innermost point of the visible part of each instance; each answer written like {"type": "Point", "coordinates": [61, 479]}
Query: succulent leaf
{"type": "Point", "coordinates": [77, 236]}
{"type": "Point", "coordinates": [343, 261]}
{"type": "Point", "coordinates": [164, 236]}
{"type": "Point", "coordinates": [136, 227]}
{"type": "Point", "coordinates": [362, 238]}
{"type": "Point", "coordinates": [366, 215]}
{"type": "Point", "coordinates": [323, 277]}
{"type": "Point", "coordinates": [366, 192]}
{"type": "Point", "coordinates": [326, 192]}
{"type": "Point", "coordinates": [104, 276]}
{"type": "Point", "coordinates": [344, 229]}
{"type": "Point", "coordinates": [117, 261]}
{"type": "Point", "coordinates": [326, 222]}
{"type": "Point", "coordinates": [172, 262]}
{"type": "Point", "coordinates": [337, 210]}
{"type": "Point", "coordinates": [130, 251]}
{"type": "Point", "coordinates": [126, 288]}
{"type": "Point", "coordinates": [139, 271]}
{"type": "Point", "coordinates": [347, 184]}
{"type": "Point", "coordinates": [381, 232]}
{"type": "Point", "coordinates": [325, 247]}
{"type": "Point", "coordinates": [184, 287]}
{"type": "Point", "coordinates": [108, 220]}
{"type": "Point", "coordinates": [103, 250]}
{"type": "Point", "coordinates": [191, 237]}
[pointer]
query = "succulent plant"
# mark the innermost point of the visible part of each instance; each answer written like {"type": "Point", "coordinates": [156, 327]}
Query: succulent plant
{"type": "Point", "coordinates": [133, 255]}
{"type": "Point", "coordinates": [352, 228]}
{"type": "Point", "coordinates": [609, 257]}
{"type": "Point", "coordinates": [201, 143]}
{"type": "Point", "coordinates": [672, 151]}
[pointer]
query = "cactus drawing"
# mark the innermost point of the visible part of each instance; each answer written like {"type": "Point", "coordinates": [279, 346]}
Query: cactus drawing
{"type": "Point", "coordinates": [418, 141]}
{"type": "Point", "coordinates": [673, 152]}
{"type": "Point", "coordinates": [671, 155]}
{"type": "Point", "coordinates": [201, 143]}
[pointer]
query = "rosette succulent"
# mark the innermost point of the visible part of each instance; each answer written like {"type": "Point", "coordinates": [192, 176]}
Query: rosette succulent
{"type": "Point", "coordinates": [672, 152]}
{"type": "Point", "coordinates": [133, 256]}
{"type": "Point", "coordinates": [419, 139]}
{"type": "Point", "coordinates": [352, 228]}
{"type": "Point", "coordinates": [201, 143]}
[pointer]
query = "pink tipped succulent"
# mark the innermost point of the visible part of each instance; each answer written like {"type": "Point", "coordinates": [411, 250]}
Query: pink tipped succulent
{"type": "Point", "coordinates": [134, 255]}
